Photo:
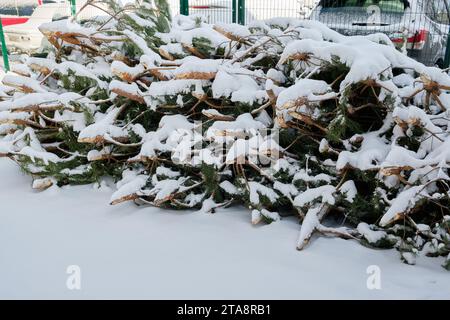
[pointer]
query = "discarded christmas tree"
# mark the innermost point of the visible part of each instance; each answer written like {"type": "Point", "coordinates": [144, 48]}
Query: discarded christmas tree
{"type": "Point", "coordinates": [283, 116]}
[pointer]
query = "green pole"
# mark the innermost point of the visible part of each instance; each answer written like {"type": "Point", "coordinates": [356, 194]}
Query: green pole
{"type": "Point", "coordinates": [73, 7]}
{"type": "Point", "coordinates": [447, 53]}
{"type": "Point", "coordinates": [241, 11]}
{"type": "Point", "coordinates": [184, 7]}
{"type": "Point", "coordinates": [234, 11]}
{"type": "Point", "coordinates": [4, 49]}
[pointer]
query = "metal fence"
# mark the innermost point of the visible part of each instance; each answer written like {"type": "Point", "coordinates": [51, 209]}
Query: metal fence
{"type": "Point", "coordinates": [420, 27]}
{"type": "Point", "coordinates": [243, 11]}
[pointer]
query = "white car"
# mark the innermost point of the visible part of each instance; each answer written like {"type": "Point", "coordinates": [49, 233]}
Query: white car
{"type": "Point", "coordinates": [26, 37]}
{"type": "Point", "coordinates": [420, 26]}
{"type": "Point", "coordinates": [222, 10]}
{"type": "Point", "coordinates": [15, 12]}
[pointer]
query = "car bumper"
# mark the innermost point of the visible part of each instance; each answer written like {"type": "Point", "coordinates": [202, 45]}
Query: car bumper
{"type": "Point", "coordinates": [23, 41]}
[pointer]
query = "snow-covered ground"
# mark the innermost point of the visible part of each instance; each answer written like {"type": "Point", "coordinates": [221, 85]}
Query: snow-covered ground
{"type": "Point", "coordinates": [130, 252]}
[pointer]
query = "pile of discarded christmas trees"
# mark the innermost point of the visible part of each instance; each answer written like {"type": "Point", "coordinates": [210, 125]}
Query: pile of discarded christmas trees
{"type": "Point", "coordinates": [286, 117]}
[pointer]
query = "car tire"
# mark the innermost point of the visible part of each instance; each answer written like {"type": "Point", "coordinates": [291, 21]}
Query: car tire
{"type": "Point", "coordinates": [440, 63]}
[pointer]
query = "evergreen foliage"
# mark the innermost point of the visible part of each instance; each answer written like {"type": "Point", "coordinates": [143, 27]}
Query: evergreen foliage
{"type": "Point", "coordinates": [285, 117]}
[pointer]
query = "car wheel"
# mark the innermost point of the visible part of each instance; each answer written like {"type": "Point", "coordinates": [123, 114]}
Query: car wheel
{"type": "Point", "coordinates": [440, 63]}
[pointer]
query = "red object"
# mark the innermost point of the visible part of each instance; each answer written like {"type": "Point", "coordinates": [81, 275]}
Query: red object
{"type": "Point", "coordinates": [39, 2]}
{"type": "Point", "coordinates": [207, 7]}
{"type": "Point", "coordinates": [15, 20]}
{"type": "Point", "coordinates": [418, 40]}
